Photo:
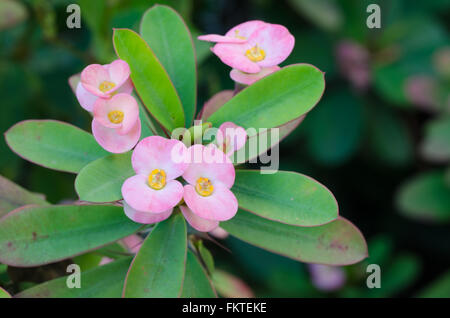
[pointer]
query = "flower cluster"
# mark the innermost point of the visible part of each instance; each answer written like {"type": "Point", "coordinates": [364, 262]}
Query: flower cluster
{"type": "Point", "coordinates": [253, 49]}
{"type": "Point", "coordinates": [207, 173]}
{"type": "Point", "coordinates": [105, 91]}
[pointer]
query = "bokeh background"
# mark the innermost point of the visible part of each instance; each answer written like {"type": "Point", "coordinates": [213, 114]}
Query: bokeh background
{"type": "Point", "coordinates": [379, 138]}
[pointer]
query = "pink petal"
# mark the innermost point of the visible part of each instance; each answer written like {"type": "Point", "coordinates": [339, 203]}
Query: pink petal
{"type": "Point", "coordinates": [119, 73]}
{"type": "Point", "coordinates": [120, 102]}
{"type": "Point", "coordinates": [276, 41]}
{"type": "Point", "coordinates": [220, 38]}
{"type": "Point", "coordinates": [126, 87]}
{"type": "Point", "coordinates": [221, 205]}
{"type": "Point", "coordinates": [198, 223]}
{"type": "Point", "coordinates": [112, 141]}
{"type": "Point", "coordinates": [209, 162]}
{"type": "Point", "coordinates": [156, 152]}
{"type": "Point", "coordinates": [91, 78]}
{"type": "Point", "coordinates": [214, 103]}
{"type": "Point", "coordinates": [141, 197]}
{"type": "Point", "coordinates": [327, 278]}
{"type": "Point", "coordinates": [105, 260]}
{"type": "Point", "coordinates": [234, 55]}
{"type": "Point", "coordinates": [145, 217]}
{"type": "Point", "coordinates": [219, 233]}
{"type": "Point", "coordinates": [85, 98]}
{"type": "Point", "coordinates": [235, 137]}
{"type": "Point", "coordinates": [246, 29]}
{"type": "Point", "coordinates": [249, 79]}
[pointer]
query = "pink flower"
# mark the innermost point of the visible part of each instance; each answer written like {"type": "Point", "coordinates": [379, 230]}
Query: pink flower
{"type": "Point", "coordinates": [266, 45]}
{"type": "Point", "coordinates": [230, 138]}
{"type": "Point", "coordinates": [210, 175]}
{"type": "Point", "coordinates": [145, 217]}
{"type": "Point", "coordinates": [153, 192]}
{"type": "Point", "coordinates": [249, 79]}
{"type": "Point", "coordinates": [103, 81]}
{"type": "Point", "coordinates": [327, 278]}
{"type": "Point", "coordinates": [116, 125]}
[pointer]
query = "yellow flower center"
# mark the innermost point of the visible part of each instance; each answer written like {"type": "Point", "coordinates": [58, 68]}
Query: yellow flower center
{"type": "Point", "coordinates": [157, 179]}
{"type": "Point", "coordinates": [116, 116]}
{"type": "Point", "coordinates": [236, 35]}
{"type": "Point", "coordinates": [204, 187]}
{"type": "Point", "coordinates": [106, 86]}
{"type": "Point", "coordinates": [255, 54]}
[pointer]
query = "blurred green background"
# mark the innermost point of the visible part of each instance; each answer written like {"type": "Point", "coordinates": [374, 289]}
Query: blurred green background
{"type": "Point", "coordinates": [379, 138]}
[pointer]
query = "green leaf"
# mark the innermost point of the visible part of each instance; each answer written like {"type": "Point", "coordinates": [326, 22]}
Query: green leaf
{"type": "Point", "coordinates": [338, 140]}
{"type": "Point", "coordinates": [426, 197]}
{"type": "Point", "coordinates": [158, 268]}
{"type": "Point", "coordinates": [168, 36]}
{"type": "Point", "coordinates": [4, 293]}
{"type": "Point", "coordinates": [440, 288]}
{"type": "Point", "coordinates": [336, 243]}
{"type": "Point", "coordinates": [105, 281]}
{"type": "Point", "coordinates": [13, 196]}
{"type": "Point", "coordinates": [53, 144]}
{"type": "Point", "coordinates": [150, 79]}
{"type": "Point", "coordinates": [196, 282]}
{"type": "Point", "coordinates": [274, 100]}
{"type": "Point", "coordinates": [325, 13]}
{"type": "Point", "coordinates": [230, 286]}
{"type": "Point", "coordinates": [202, 48]}
{"type": "Point", "coordinates": [391, 75]}
{"type": "Point", "coordinates": [436, 146]}
{"type": "Point", "coordinates": [102, 179]}
{"type": "Point", "coordinates": [35, 235]}
{"type": "Point", "coordinates": [286, 197]}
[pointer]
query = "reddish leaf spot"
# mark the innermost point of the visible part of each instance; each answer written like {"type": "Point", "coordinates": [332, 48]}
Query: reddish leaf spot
{"type": "Point", "coordinates": [335, 244]}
